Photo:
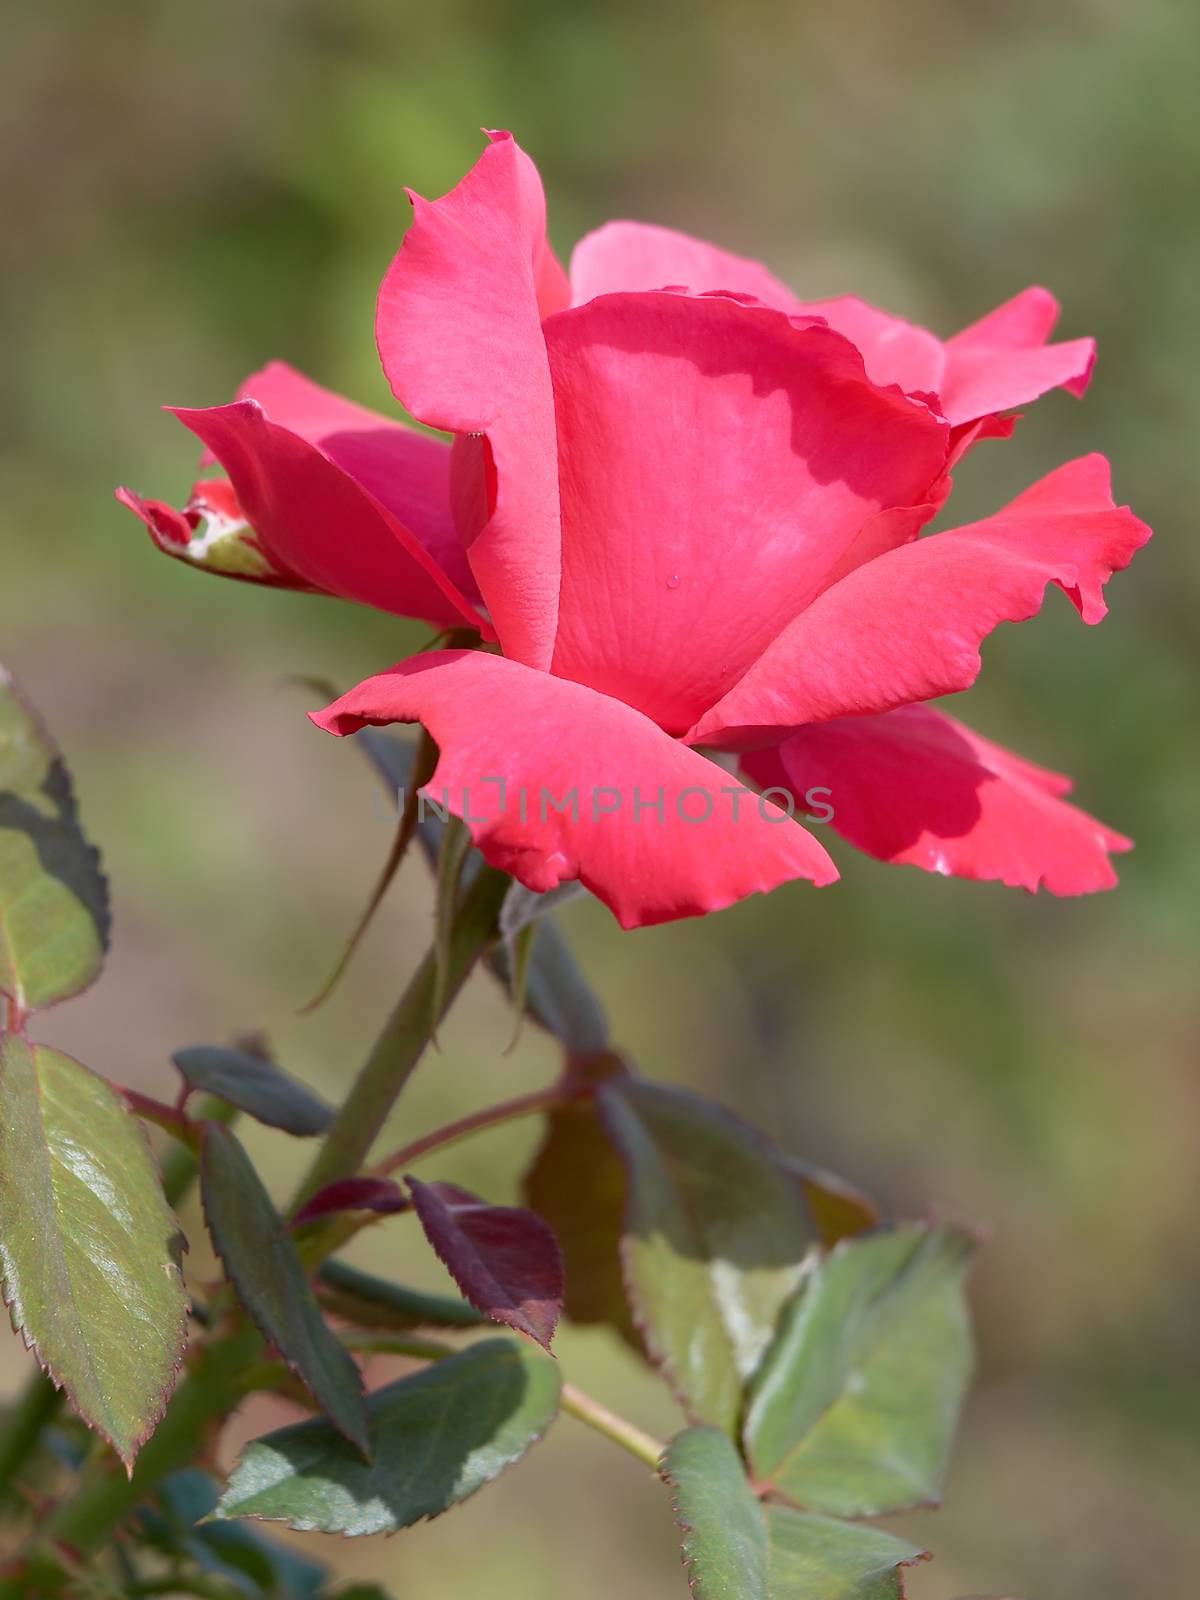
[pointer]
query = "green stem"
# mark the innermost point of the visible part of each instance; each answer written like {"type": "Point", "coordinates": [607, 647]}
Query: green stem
{"type": "Point", "coordinates": [404, 1038]}
{"type": "Point", "coordinates": [37, 1406]}
{"type": "Point", "coordinates": [599, 1418]}
{"type": "Point", "coordinates": [169, 1118]}
{"type": "Point", "coordinates": [180, 1167]}
{"type": "Point", "coordinates": [105, 1498]}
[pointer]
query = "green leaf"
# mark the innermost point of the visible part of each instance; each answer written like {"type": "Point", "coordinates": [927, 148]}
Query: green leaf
{"type": "Point", "coordinates": [715, 1237]}
{"type": "Point", "coordinates": [436, 1437]}
{"type": "Point", "coordinates": [855, 1406]}
{"type": "Point", "coordinates": [54, 915]}
{"type": "Point", "coordinates": [374, 1303]}
{"type": "Point", "coordinates": [88, 1246]}
{"type": "Point", "coordinates": [724, 1530]}
{"type": "Point", "coordinates": [812, 1555]}
{"type": "Point", "coordinates": [735, 1548]}
{"type": "Point", "coordinates": [256, 1086]}
{"type": "Point", "coordinates": [577, 1183]}
{"type": "Point", "coordinates": [262, 1260]}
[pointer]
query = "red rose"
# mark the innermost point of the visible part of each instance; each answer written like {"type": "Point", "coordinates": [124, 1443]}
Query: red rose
{"type": "Point", "coordinates": [687, 508]}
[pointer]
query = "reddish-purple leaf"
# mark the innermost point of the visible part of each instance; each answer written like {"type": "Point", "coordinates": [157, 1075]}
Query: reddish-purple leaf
{"type": "Point", "coordinates": [353, 1194]}
{"type": "Point", "coordinates": [505, 1260]}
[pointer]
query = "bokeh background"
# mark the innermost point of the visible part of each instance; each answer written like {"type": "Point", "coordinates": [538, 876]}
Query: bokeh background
{"type": "Point", "coordinates": [190, 190]}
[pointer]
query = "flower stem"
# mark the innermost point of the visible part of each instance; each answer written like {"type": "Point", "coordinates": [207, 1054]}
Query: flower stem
{"type": "Point", "coordinates": [169, 1118]}
{"type": "Point", "coordinates": [37, 1405]}
{"type": "Point", "coordinates": [621, 1431]}
{"type": "Point", "coordinates": [404, 1038]}
{"type": "Point", "coordinates": [524, 1105]}
{"type": "Point", "coordinates": [106, 1496]}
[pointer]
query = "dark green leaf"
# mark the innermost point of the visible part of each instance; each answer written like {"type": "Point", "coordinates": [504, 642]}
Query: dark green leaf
{"type": "Point", "coordinates": [256, 1086]}
{"type": "Point", "coordinates": [374, 1303]}
{"type": "Point", "coordinates": [577, 1183]}
{"type": "Point", "coordinates": [435, 1438]}
{"type": "Point", "coordinates": [262, 1260]}
{"type": "Point", "coordinates": [54, 916]}
{"type": "Point", "coordinates": [715, 1237]}
{"type": "Point", "coordinates": [557, 995]}
{"type": "Point", "coordinates": [854, 1409]}
{"type": "Point", "coordinates": [89, 1247]}
{"type": "Point", "coordinates": [735, 1548]}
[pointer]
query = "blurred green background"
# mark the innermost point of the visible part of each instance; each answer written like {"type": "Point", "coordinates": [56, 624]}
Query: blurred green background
{"type": "Point", "coordinates": [190, 190]}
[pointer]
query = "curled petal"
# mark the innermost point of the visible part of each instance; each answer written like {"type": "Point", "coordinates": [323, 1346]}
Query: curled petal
{"type": "Point", "coordinates": [719, 462]}
{"type": "Point", "coordinates": [459, 331]}
{"type": "Point", "coordinates": [406, 471]}
{"type": "Point", "coordinates": [894, 351]}
{"type": "Point", "coordinates": [908, 625]}
{"type": "Point", "coordinates": [916, 787]}
{"type": "Point", "coordinates": [313, 519]}
{"type": "Point", "coordinates": [998, 363]}
{"type": "Point", "coordinates": [557, 782]}
{"type": "Point", "coordinates": [1004, 360]}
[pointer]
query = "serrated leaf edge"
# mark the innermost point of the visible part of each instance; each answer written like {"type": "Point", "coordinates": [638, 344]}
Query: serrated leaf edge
{"type": "Point", "coordinates": [30, 1342]}
{"type": "Point", "coordinates": [363, 1444]}
{"type": "Point", "coordinates": [307, 1525]}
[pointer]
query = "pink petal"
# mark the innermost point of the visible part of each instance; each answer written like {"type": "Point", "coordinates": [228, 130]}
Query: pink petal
{"type": "Point", "coordinates": [550, 281]}
{"type": "Point", "coordinates": [515, 744]}
{"type": "Point", "coordinates": [406, 471]}
{"type": "Point", "coordinates": [718, 461]}
{"type": "Point", "coordinates": [908, 626]}
{"type": "Point", "coordinates": [313, 519]}
{"type": "Point", "coordinates": [1004, 361]}
{"type": "Point", "coordinates": [638, 255]}
{"type": "Point", "coordinates": [460, 336]}
{"type": "Point", "coordinates": [894, 351]}
{"type": "Point", "coordinates": [914, 786]}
